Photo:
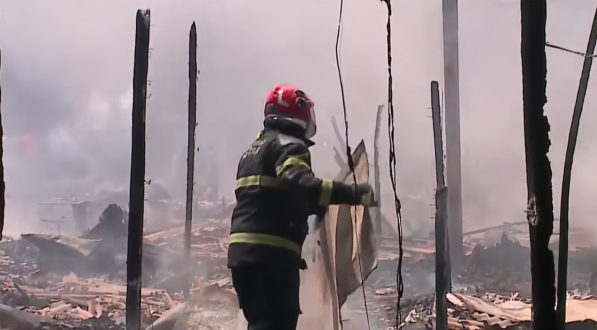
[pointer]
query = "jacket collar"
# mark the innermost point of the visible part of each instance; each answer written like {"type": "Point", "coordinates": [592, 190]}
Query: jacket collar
{"type": "Point", "coordinates": [286, 127]}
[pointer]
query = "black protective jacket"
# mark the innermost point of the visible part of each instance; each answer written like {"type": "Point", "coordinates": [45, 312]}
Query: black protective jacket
{"type": "Point", "coordinates": [276, 191]}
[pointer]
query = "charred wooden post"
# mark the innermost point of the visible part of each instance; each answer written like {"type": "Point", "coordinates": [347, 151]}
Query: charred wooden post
{"type": "Point", "coordinates": [438, 143]}
{"type": "Point", "coordinates": [2, 183]}
{"type": "Point", "coordinates": [137, 184]}
{"type": "Point", "coordinates": [538, 168]}
{"type": "Point", "coordinates": [338, 135]}
{"type": "Point", "coordinates": [192, 122]}
{"type": "Point", "coordinates": [566, 178]}
{"type": "Point", "coordinates": [376, 175]}
{"type": "Point", "coordinates": [339, 160]}
{"type": "Point", "coordinates": [452, 122]}
{"type": "Point", "coordinates": [441, 271]}
{"type": "Point", "coordinates": [339, 157]}
{"type": "Point", "coordinates": [80, 215]}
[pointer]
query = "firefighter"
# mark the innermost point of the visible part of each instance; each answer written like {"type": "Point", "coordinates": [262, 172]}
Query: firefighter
{"type": "Point", "coordinates": [276, 191]}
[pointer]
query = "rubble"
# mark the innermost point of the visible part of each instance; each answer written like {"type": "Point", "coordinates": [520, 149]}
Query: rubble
{"type": "Point", "coordinates": [65, 282]}
{"type": "Point", "coordinates": [472, 312]}
{"type": "Point", "coordinates": [70, 301]}
{"type": "Point", "coordinates": [58, 281]}
{"type": "Point", "coordinates": [496, 267]}
{"type": "Point", "coordinates": [73, 299]}
{"type": "Point", "coordinates": [485, 311]}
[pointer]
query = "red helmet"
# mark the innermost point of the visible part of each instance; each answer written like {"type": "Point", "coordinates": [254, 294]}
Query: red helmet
{"type": "Point", "coordinates": [288, 102]}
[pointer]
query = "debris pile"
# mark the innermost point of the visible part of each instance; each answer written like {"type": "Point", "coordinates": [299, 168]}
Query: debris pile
{"type": "Point", "coordinates": [209, 245]}
{"type": "Point", "coordinates": [501, 268]}
{"type": "Point", "coordinates": [475, 311]}
{"type": "Point", "coordinates": [71, 300]}
{"type": "Point", "coordinates": [485, 311]}
{"type": "Point", "coordinates": [79, 282]}
{"type": "Point", "coordinates": [500, 261]}
{"type": "Point", "coordinates": [64, 282]}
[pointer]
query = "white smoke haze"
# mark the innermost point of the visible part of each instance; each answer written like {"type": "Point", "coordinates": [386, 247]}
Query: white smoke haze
{"type": "Point", "coordinates": [67, 74]}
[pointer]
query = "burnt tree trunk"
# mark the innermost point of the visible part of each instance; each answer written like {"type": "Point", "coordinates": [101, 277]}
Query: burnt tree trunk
{"type": "Point", "coordinates": [192, 123]}
{"type": "Point", "coordinates": [137, 183]}
{"type": "Point", "coordinates": [536, 135]}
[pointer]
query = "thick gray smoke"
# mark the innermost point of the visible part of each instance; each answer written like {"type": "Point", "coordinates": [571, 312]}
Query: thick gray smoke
{"type": "Point", "coordinates": [67, 72]}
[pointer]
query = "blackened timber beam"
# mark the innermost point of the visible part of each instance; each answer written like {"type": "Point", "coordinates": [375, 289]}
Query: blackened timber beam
{"type": "Point", "coordinates": [538, 168]}
{"type": "Point", "coordinates": [137, 183]}
{"type": "Point", "coordinates": [192, 124]}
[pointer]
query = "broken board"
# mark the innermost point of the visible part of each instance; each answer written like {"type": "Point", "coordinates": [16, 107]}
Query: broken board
{"type": "Point", "coordinates": [345, 252]}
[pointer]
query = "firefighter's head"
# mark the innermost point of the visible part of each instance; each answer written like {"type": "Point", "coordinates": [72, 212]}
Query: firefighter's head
{"type": "Point", "coordinates": [286, 102]}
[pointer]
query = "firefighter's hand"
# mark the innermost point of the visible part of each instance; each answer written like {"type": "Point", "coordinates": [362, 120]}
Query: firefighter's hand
{"type": "Point", "coordinates": [365, 195]}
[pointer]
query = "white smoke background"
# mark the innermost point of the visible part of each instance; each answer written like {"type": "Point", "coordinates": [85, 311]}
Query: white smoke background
{"type": "Point", "coordinates": [67, 74]}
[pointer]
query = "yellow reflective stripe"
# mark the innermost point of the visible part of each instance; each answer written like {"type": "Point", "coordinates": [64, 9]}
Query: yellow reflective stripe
{"type": "Point", "coordinates": [326, 193]}
{"type": "Point", "coordinates": [264, 239]}
{"type": "Point", "coordinates": [259, 135]}
{"type": "Point", "coordinates": [290, 162]}
{"type": "Point", "coordinates": [256, 180]}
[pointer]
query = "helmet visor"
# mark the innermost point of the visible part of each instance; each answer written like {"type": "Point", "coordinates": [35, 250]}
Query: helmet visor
{"type": "Point", "coordinates": [311, 124]}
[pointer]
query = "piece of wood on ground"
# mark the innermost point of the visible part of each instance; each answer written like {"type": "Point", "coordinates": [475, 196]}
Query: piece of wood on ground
{"type": "Point", "coordinates": [94, 308]}
{"type": "Point", "coordinates": [454, 301]}
{"type": "Point", "coordinates": [59, 309]}
{"type": "Point", "coordinates": [168, 300]}
{"type": "Point", "coordinates": [83, 314]}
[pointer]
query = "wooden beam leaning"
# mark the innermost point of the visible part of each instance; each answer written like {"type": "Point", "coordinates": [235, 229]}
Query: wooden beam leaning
{"type": "Point", "coordinates": [441, 271]}
{"type": "Point", "coordinates": [137, 183]}
{"type": "Point", "coordinates": [192, 124]}
{"type": "Point", "coordinates": [376, 173]}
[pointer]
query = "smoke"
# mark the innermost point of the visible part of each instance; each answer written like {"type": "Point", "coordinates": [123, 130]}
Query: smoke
{"type": "Point", "coordinates": [67, 73]}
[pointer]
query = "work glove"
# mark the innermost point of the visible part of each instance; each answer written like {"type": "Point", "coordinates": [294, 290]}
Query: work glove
{"type": "Point", "coordinates": [365, 196]}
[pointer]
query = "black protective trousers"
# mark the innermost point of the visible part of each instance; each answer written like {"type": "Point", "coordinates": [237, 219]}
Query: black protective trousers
{"type": "Point", "coordinates": [268, 294]}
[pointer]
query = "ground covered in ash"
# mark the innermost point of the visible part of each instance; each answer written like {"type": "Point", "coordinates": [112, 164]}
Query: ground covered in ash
{"type": "Point", "coordinates": [64, 282]}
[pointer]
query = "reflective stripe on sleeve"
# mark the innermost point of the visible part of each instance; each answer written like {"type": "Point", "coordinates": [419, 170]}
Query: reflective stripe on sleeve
{"type": "Point", "coordinates": [291, 162]}
{"type": "Point", "coordinates": [326, 193]}
{"type": "Point", "coordinates": [264, 239]}
{"type": "Point", "coordinates": [257, 180]}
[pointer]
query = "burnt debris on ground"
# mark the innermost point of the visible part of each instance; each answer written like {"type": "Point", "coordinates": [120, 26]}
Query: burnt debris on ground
{"type": "Point", "coordinates": [59, 281]}
{"type": "Point", "coordinates": [66, 282]}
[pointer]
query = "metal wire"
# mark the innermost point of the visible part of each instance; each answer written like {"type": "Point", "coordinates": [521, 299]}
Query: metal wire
{"type": "Point", "coordinates": [349, 154]}
{"type": "Point", "coordinates": [547, 44]}
{"type": "Point", "coordinates": [392, 163]}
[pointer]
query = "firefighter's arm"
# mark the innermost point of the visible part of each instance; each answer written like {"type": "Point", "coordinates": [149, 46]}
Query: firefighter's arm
{"type": "Point", "coordinates": [294, 174]}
